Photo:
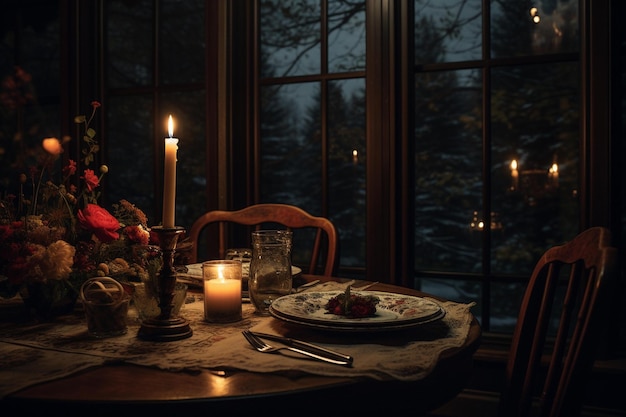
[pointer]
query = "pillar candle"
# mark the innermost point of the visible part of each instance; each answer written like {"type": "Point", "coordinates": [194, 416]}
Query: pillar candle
{"type": "Point", "coordinates": [222, 291]}
{"type": "Point", "coordinates": [169, 178]}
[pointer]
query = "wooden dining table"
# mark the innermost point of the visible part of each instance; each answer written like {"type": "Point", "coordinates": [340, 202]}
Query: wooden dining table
{"type": "Point", "coordinates": [119, 387]}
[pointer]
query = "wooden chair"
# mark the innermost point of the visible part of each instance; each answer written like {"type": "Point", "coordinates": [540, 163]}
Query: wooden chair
{"type": "Point", "coordinates": [324, 248]}
{"type": "Point", "coordinates": [555, 353]}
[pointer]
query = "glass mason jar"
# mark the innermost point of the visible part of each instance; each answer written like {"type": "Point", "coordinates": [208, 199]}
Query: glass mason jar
{"type": "Point", "coordinates": [270, 268]}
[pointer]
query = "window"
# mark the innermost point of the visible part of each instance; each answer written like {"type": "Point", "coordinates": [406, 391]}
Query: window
{"type": "Point", "coordinates": [491, 133]}
{"type": "Point", "coordinates": [312, 113]}
{"type": "Point", "coordinates": [497, 122]}
{"type": "Point", "coordinates": [155, 68]}
{"type": "Point", "coordinates": [29, 89]}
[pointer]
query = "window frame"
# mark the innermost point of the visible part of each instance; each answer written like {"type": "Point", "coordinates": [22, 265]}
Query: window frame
{"type": "Point", "coordinates": [389, 135]}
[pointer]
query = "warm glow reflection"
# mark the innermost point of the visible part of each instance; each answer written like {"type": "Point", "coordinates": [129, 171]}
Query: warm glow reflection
{"type": "Point", "coordinates": [554, 168]}
{"type": "Point", "coordinates": [220, 386]}
{"type": "Point", "coordinates": [215, 382]}
{"type": "Point", "coordinates": [514, 164]}
{"type": "Point", "coordinates": [534, 14]}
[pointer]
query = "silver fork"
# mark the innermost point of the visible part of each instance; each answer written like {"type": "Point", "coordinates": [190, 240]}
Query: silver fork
{"type": "Point", "coordinates": [262, 346]}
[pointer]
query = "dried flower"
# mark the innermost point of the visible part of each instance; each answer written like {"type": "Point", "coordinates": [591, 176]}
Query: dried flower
{"type": "Point", "coordinates": [52, 262]}
{"type": "Point", "coordinates": [54, 229]}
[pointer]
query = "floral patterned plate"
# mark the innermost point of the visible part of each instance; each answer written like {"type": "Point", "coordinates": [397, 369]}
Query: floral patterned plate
{"type": "Point", "coordinates": [393, 312]}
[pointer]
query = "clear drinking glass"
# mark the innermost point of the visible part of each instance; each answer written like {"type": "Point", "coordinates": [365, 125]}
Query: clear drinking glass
{"type": "Point", "coordinates": [270, 268]}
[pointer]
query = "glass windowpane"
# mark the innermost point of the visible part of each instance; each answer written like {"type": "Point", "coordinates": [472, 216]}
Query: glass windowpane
{"type": "Point", "coordinates": [290, 37]}
{"type": "Point", "coordinates": [29, 90]}
{"type": "Point", "coordinates": [126, 21]}
{"type": "Point", "coordinates": [130, 153]}
{"type": "Point", "coordinates": [542, 27]}
{"type": "Point", "coordinates": [346, 36]}
{"type": "Point", "coordinates": [447, 30]}
{"type": "Point", "coordinates": [506, 299]}
{"type": "Point", "coordinates": [346, 170]}
{"type": "Point", "coordinates": [448, 170]}
{"type": "Point", "coordinates": [535, 110]}
{"type": "Point", "coordinates": [182, 41]}
{"type": "Point", "coordinates": [291, 147]}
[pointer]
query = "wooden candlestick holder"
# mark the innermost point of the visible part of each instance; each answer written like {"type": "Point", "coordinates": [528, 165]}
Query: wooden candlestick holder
{"type": "Point", "coordinates": [164, 327]}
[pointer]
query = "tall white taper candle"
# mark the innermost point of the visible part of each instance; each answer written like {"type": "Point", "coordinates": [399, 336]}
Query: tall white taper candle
{"type": "Point", "coordinates": [169, 177]}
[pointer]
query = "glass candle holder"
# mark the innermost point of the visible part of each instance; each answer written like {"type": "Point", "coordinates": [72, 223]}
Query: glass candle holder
{"type": "Point", "coordinates": [222, 291]}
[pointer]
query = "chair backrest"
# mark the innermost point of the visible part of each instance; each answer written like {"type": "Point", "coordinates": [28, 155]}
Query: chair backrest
{"type": "Point", "coordinates": [324, 247]}
{"type": "Point", "coordinates": [551, 354]}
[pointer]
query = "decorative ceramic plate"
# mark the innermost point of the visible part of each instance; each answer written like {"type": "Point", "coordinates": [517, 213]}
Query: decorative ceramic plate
{"type": "Point", "coordinates": [393, 312]}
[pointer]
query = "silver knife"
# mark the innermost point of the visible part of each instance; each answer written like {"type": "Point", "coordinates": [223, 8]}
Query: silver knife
{"type": "Point", "coordinates": [318, 350]}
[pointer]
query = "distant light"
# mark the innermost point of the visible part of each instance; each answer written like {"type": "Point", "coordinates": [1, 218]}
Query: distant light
{"type": "Point", "coordinates": [554, 168]}
{"type": "Point", "coordinates": [534, 13]}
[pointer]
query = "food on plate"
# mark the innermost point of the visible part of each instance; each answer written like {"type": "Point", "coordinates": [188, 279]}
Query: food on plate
{"type": "Point", "coordinates": [352, 305]}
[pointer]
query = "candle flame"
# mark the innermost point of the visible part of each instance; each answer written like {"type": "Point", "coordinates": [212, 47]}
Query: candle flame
{"type": "Point", "coordinates": [170, 126]}
{"type": "Point", "coordinates": [514, 164]}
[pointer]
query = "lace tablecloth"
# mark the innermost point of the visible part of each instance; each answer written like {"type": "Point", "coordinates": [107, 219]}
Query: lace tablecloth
{"type": "Point", "coordinates": [30, 354]}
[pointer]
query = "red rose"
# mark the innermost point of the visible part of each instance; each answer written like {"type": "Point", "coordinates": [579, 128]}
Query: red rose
{"type": "Point", "coordinates": [99, 221]}
{"type": "Point", "coordinates": [91, 179]}
{"type": "Point", "coordinates": [70, 168]}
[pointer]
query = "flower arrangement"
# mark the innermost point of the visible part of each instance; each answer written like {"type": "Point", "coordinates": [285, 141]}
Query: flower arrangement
{"type": "Point", "coordinates": [54, 234]}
